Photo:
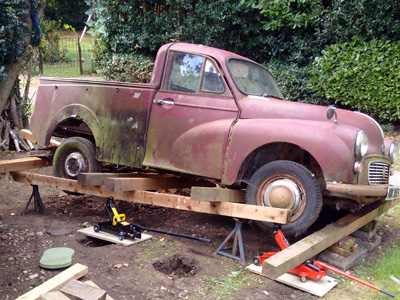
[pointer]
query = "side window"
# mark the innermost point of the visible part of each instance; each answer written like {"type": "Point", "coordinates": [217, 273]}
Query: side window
{"type": "Point", "coordinates": [212, 81]}
{"type": "Point", "coordinates": [184, 72]}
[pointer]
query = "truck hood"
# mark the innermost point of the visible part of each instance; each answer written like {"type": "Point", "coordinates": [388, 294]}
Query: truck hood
{"type": "Point", "coordinates": [254, 107]}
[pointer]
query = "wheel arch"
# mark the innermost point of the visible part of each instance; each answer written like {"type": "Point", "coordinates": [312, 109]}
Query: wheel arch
{"type": "Point", "coordinates": [279, 151]}
{"type": "Point", "coordinates": [75, 120]}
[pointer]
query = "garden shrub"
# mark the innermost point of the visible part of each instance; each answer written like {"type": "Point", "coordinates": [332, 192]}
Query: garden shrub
{"type": "Point", "coordinates": [13, 30]}
{"type": "Point", "coordinates": [363, 75]}
{"type": "Point", "coordinates": [126, 67]}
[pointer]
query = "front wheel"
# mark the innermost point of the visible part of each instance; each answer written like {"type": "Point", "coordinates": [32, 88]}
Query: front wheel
{"type": "Point", "coordinates": [75, 155]}
{"type": "Point", "coordinates": [289, 185]}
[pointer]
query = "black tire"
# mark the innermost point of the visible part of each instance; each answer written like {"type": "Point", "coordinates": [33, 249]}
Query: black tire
{"type": "Point", "coordinates": [73, 156]}
{"type": "Point", "coordinates": [295, 188]}
{"type": "Point", "coordinates": [96, 228]}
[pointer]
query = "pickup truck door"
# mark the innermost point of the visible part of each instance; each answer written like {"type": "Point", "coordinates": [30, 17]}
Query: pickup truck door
{"type": "Point", "coordinates": [191, 117]}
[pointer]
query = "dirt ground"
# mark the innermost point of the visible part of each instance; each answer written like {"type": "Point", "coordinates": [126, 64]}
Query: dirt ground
{"type": "Point", "coordinates": [164, 267]}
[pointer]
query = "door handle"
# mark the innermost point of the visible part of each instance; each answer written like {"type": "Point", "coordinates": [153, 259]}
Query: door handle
{"type": "Point", "coordinates": [161, 102]}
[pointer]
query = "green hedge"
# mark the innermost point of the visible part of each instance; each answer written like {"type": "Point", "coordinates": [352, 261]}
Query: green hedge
{"type": "Point", "coordinates": [362, 75]}
{"type": "Point", "coordinates": [293, 82]}
{"type": "Point", "coordinates": [126, 67]}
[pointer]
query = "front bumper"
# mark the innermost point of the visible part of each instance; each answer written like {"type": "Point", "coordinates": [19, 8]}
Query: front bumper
{"type": "Point", "coordinates": [363, 193]}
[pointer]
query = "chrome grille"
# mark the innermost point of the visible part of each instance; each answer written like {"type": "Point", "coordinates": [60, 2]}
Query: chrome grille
{"type": "Point", "coordinates": [378, 172]}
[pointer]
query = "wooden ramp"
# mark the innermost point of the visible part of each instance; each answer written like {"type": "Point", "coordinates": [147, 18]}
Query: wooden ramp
{"type": "Point", "coordinates": [317, 242]}
{"type": "Point", "coordinates": [236, 210]}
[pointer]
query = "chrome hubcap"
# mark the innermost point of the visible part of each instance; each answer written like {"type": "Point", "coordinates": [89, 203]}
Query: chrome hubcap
{"type": "Point", "coordinates": [74, 163]}
{"type": "Point", "coordinates": [283, 193]}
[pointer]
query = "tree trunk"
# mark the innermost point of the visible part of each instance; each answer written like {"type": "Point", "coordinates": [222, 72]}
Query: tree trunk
{"type": "Point", "coordinates": [30, 67]}
{"type": "Point", "coordinates": [14, 113]}
{"type": "Point", "coordinates": [14, 68]}
{"type": "Point", "coordinates": [5, 142]}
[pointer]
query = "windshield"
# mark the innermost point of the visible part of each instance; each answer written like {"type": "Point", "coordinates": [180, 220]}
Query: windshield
{"type": "Point", "coordinates": [253, 79]}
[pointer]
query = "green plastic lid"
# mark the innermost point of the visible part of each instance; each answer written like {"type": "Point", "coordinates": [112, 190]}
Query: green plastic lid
{"type": "Point", "coordinates": [56, 258]}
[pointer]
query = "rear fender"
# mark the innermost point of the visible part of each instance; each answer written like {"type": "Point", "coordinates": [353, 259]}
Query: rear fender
{"type": "Point", "coordinates": [74, 111]}
{"type": "Point", "coordinates": [331, 145]}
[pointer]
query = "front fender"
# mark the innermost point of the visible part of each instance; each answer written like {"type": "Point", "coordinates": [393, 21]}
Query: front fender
{"type": "Point", "coordinates": [330, 144]}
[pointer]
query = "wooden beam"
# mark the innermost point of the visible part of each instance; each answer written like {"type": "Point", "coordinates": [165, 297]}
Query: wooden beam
{"type": "Point", "coordinates": [251, 212]}
{"type": "Point", "coordinates": [100, 178]}
{"type": "Point", "coordinates": [144, 184]}
{"type": "Point", "coordinates": [53, 284]}
{"type": "Point", "coordinates": [23, 164]}
{"type": "Point", "coordinates": [217, 194]}
{"type": "Point", "coordinates": [317, 242]}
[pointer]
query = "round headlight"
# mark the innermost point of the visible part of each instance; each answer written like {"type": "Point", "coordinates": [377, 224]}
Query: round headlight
{"type": "Point", "coordinates": [393, 152]}
{"type": "Point", "coordinates": [361, 146]}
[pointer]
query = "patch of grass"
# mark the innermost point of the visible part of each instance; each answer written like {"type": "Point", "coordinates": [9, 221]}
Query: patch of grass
{"type": "Point", "coordinates": [229, 282]}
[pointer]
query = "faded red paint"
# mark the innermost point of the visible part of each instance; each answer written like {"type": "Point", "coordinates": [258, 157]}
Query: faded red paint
{"type": "Point", "coordinates": [211, 135]}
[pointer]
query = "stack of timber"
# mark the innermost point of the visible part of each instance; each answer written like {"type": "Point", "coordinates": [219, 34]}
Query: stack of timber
{"type": "Point", "coordinates": [66, 286]}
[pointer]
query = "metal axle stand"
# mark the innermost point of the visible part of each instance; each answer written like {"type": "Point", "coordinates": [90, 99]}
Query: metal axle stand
{"type": "Point", "coordinates": [237, 243]}
{"type": "Point", "coordinates": [39, 206]}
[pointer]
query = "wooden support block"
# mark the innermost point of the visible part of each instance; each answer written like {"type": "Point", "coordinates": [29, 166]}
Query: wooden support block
{"type": "Point", "coordinates": [21, 164]}
{"type": "Point", "coordinates": [100, 178]}
{"type": "Point", "coordinates": [53, 284]}
{"type": "Point", "coordinates": [54, 296]}
{"type": "Point", "coordinates": [217, 194]}
{"type": "Point", "coordinates": [144, 184]}
{"type": "Point", "coordinates": [236, 210]}
{"type": "Point", "coordinates": [315, 243]}
{"type": "Point", "coordinates": [78, 290]}
{"type": "Point", "coordinates": [89, 282]}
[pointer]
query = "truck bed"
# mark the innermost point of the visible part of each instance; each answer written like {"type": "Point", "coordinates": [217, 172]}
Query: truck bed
{"type": "Point", "coordinates": [116, 113]}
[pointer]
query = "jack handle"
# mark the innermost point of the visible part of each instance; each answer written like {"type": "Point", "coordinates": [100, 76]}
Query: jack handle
{"type": "Point", "coordinates": [321, 264]}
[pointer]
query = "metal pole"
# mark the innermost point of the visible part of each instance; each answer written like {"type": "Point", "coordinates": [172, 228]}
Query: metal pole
{"type": "Point", "coordinates": [80, 58]}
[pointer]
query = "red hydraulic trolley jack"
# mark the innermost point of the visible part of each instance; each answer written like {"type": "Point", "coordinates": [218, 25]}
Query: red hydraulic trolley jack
{"type": "Point", "coordinates": [316, 270]}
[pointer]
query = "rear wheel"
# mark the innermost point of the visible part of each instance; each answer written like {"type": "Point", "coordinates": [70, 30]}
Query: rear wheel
{"type": "Point", "coordinates": [75, 155]}
{"type": "Point", "coordinates": [289, 185]}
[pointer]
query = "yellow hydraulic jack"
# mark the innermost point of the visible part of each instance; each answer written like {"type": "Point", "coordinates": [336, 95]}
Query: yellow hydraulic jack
{"type": "Point", "coordinates": [118, 225]}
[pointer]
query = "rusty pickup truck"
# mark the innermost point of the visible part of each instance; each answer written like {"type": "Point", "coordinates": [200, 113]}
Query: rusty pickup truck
{"type": "Point", "coordinates": [218, 116]}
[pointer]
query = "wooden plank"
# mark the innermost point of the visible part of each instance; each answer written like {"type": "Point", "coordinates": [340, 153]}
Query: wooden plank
{"type": "Point", "coordinates": [317, 242]}
{"type": "Point", "coordinates": [315, 287]}
{"type": "Point", "coordinates": [78, 290]}
{"type": "Point", "coordinates": [54, 296]}
{"type": "Point", "coordinates": [25, 163]}
{"type": "Point", "coordinates": [26, 134]}
{"type": "Point", "coordinates": [237, 210]}
{"type": "Point", "coordinates": [144, 184]}
{"type": "Point", "coordinates": [99, 178]}
{"type": "Point", "coordinates": [113, 238]}
{"type": "Point", "coordinates": [217, 194]}
{"type": "Point", "coordinates": [53, 284]}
